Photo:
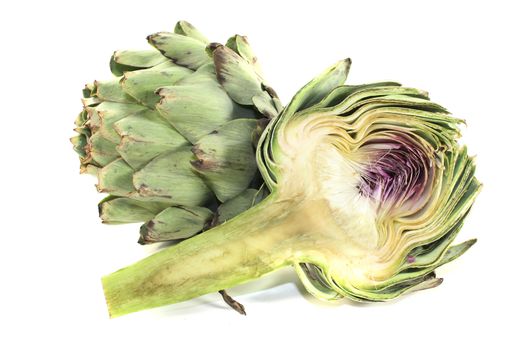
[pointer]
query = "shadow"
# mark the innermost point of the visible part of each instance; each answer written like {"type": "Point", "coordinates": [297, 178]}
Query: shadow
{"type": "Point", "coordinates": [270, 281]}
{"type": "Point", "coordinates": [152, 248]}
{"type": "Point", "coordinates": [278, 286]}
{"type": "Point", "coordinates": [269, 288]}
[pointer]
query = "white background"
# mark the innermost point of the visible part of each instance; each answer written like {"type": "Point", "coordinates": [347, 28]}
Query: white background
{"type": "Point", "coordinates": [54, 250]}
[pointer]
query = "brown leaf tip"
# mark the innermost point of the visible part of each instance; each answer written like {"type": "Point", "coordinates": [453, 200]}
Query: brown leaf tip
{"type": "Point", "coordinates": [204, 165]}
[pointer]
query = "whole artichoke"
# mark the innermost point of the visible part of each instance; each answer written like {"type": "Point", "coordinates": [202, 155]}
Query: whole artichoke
{"type": "Point", "coordinates": [171, 139]}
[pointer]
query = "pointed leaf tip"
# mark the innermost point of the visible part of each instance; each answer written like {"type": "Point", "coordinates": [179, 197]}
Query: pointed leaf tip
{"type": "Point", "coordinates": [341, 69]}
{"type": "Point", "coordinates": [472, 241]}
{"type": "Point", "coordinates": [182, 49]}
{"type": "Point", "coordinates": [236, 75]}
{"type": "Point", "coordinates": [320, 86]}
{"type": "Point", "coordinates": [187, 29]}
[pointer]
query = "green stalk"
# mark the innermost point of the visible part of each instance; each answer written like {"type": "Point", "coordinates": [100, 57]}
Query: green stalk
{"type": "Point", "coordinates": [253, 244]}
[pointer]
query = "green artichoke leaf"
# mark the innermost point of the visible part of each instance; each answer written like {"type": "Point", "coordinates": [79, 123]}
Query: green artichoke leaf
{"type": "Point", "coordinates": [116, 178]}
{"type": "Point", "coordinates": [170, 177]}
{"type": "Point", "coordinates": [187, 29]}
{"type": "Point", "coordinates": [79, 145]}
{"type": "Point", "coordinates": [101, 150]}
{"type": "Point", "coordinates": [265, 106]}
{"type": "Point", "coordinates": [196, 106]}
{"type": "Point", "coordinates": [237, 76]}
{"type": "Point", "coordinates": [408, 281]}
{"type": "Point", "coordinates": [130, 60]}
{"type": "Point", "coordinates": [111, 90]}
{"type": "Point", "coordinates": [227, 154]}
{"type": "Point", "coordinates": [456, 251]}
{"type": "Point", "coordinates": [144, 136]}
{"type": "Point", "coordinates": [142, 84]}
{"type": "Point", "coordinates": [175, 223]}
{"type": "Point", "coordinates": [338, 94]}
{"type": "Point", "coordinates": [357, 98]}
{"type": "Point", "coordinates": [183, 50]}
{"type": "Point", "coordinates": [235, 206]}
{"type": "Point", "coordinates": [103, 117]}
{"type": "Point", "coordinates": [240, 45]}
{"type": "Point", "coordinates": [80, 122]}
{"type": "Point", "coordinates": [319, 87]}
{"type": "Point", "coordinates": [120, 210]}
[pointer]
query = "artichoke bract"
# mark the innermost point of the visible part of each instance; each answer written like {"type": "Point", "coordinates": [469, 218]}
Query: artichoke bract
{"type": "Point", "coordinates": [172, 138]}
{"type": "Point", "coordinates": [369, 188]}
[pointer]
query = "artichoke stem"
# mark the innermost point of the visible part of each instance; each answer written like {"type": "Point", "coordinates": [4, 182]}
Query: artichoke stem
{"type": "Point", "coordinates": [244, 248]}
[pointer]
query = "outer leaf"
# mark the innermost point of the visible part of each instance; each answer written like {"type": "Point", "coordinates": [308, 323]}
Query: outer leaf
{"type": "Point", "coordinates": [245, 200]}
{"type": "Point", "coordinates": [102, 150]}
{"type": "Point", "coordinates": [196, 107]}
{"type": "Point", "coordinates": [240, 45]}
{"type": "Point", "coordinates": [170, 177]}
{"type": "Point", "coordinates": [265, 106]}
{"type": "Point", "coordinates": [319, 87]}
{"type": "Point", "coordinates": [237, 76]}
{"type": "Point", "coordinates": [144, 136]}
{"type": "Point", "coordinates": [116, 178]}
{"type": "Point", "coordinates": [104, 116]}
{"type": "Point", "coordinates": [175, 223]}
{"type": "Point", "coordinates": [142, 84]}
{"type": "Point", "coordinates": [183, 50]}
{"type": "Point", "coordinates": [111, 91]}
{"type": "Point", "coordinates": [118, 210]}
{"type": "Point", "coordinates": [130, 60]}
{"type": "Point", "coordinates": [186, 29]}
{"type": "Point", "coordinates": [226, 158]}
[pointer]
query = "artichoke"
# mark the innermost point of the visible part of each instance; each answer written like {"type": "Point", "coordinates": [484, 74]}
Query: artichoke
{"type": "Point", "coordinates": [171, 138]}
{"type": "Point", "coordinates": [369, 188]}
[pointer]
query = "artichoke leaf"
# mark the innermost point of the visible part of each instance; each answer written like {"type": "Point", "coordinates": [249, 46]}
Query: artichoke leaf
{"type": "Point", "coordinates": [183, 50]}
{"type": "Point", "coordinates": [142, 84]}
{"type": "Point", "coordinates": [143, 136]}
{"type": "Point", "coordinates": [121, 210]}
{"type": "Point", "coordinates": [225, 154]}
{"type": "Point", "coordinates": [187, 29]}
{"type": "Point", "coordinates": [130, 60]}
{"type": "Point", "coordinates": [175, 223]}
{"type": "Point", "coordinates": [196, 108]}
{"type": "Point", "coordinates": [237, 76]}
{"type": "Point", "coordinates": [234, 206]}
{"type": "Point", "coordinates": [170, 177]}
